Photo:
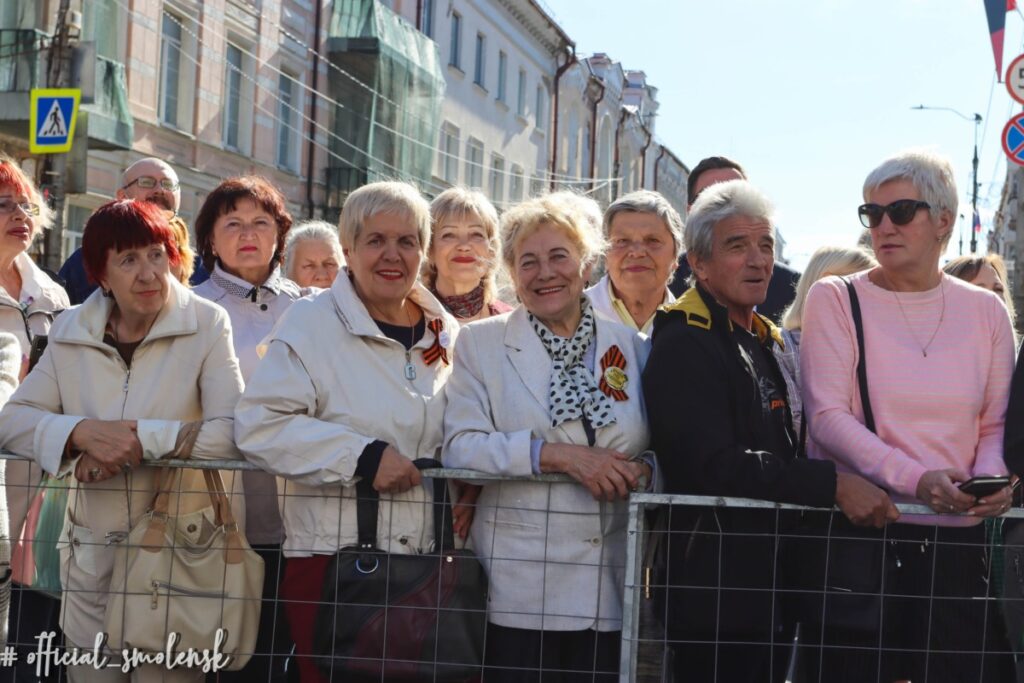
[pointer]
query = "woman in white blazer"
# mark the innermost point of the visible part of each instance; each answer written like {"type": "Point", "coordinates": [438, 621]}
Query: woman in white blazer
{"type": "Point", "coordinates": [550, 387]}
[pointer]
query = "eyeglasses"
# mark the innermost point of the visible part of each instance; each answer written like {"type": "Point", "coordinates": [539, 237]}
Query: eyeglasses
{"type": "Point", "coordinates": [901, 212]}
{"type": "Point", "coordinates": [148, 183]}
{"type": "Point", "coordinates": [7, 206]}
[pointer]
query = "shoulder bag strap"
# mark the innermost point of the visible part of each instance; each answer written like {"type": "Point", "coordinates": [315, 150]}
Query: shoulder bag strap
{"type": "Point", "coordinates": [368, 504]}
{"type": "Point", "coordinates": [862, 367]}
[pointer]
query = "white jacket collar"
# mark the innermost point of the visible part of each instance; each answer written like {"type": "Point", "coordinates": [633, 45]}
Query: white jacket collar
{"type": "Point", "coordinates": [89, 322]}
{"type": "Point", "coordinates": [358, 320]}
{"type": "Point", "coordinates": [38, 290]}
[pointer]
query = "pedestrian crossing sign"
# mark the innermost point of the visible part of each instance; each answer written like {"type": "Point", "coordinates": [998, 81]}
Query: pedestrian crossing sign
{"type": "Point", "coordinates": [52, 119]}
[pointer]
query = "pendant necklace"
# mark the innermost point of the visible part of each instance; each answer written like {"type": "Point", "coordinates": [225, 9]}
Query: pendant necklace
{"type": "Point", "coordinates": [910, 328]}
{"type": "Point", "coordinates": [410, 369]}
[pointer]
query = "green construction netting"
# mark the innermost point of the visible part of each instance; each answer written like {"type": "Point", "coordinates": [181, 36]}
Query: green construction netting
{"type": "Point", "coordinates": [111, 124]}
{"type": "Point", "coordinates": [390, 95]}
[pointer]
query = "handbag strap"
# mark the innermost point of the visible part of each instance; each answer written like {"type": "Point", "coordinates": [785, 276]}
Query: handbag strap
{"type": "Point", "coordinates": [368, 504]}
{"type": "Point", "coordinates": [234, 547]}
{"type": "Point", "coordinates": [862, 367]}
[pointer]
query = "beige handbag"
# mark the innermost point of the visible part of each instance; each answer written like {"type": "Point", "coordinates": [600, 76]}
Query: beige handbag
{"type": "Point", "coordinates": [165, 581]}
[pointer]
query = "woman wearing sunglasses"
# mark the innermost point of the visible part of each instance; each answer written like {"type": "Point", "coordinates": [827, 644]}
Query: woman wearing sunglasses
{"type": "Point", "coordinates": [939, 359]}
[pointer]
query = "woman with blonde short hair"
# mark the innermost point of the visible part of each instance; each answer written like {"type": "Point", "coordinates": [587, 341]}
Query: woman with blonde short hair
{"type": "Point", "coordinates": [352, 388]}
{"type": "Point", "coordinates": [462, 261]}
{"type": "Point", "coordinates": [551, 387]}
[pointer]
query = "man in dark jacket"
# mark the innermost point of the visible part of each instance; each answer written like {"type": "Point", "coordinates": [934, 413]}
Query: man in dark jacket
{"type": "Point", "coordinates": [721, 425]}
{"type": "Point", "coordinates": [781, 286]}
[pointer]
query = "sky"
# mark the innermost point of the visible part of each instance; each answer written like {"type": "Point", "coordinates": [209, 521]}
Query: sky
{"type": "Point", "coordinates": [811, 95]}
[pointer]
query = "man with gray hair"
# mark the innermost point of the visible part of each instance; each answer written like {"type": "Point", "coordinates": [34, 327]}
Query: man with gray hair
{"type": "Point", "coordinates": [782, 286]}
{"type": "Point", "coordinates": [721, 426]}
{"type": "Point", "coordinates": [645, 239]}
{"type": "Point", "coordinates": [149, 180]}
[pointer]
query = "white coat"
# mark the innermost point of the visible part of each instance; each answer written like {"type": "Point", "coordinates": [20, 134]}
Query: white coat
{"type": "Point", "coordinates": [555, 556]}
{"type": "Point", "coordinates": [184, 370]}
{"type": "Point", "coordinates": [330, 384]}
{"type": "Point", "coordinates": [40, 301]}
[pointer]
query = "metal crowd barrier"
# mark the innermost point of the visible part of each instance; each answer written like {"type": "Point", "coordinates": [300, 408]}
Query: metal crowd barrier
{"type": "Point", "coordinates": [644, 642]}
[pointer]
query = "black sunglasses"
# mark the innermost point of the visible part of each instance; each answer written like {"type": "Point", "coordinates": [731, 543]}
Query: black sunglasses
{"type": "Point", "coordinates": [901, 212]}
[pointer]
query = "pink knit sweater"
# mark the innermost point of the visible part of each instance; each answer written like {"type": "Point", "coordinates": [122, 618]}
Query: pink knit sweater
{"type": "Point", "coordinates": [935, 412]}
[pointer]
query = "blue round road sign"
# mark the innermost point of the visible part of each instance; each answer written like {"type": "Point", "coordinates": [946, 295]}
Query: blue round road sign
{"type": "Point", "coordinates": [1013, 139]}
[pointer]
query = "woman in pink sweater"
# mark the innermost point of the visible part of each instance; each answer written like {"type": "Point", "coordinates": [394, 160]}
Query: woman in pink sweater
{"type": "Point", "coordinates": [939, 358]}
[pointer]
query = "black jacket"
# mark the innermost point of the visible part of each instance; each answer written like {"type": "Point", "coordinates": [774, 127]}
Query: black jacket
{"type": "Point", "coordinates": [710, 435]}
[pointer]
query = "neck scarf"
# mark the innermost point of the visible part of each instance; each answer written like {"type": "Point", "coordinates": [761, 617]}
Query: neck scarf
{"type": "Point", "coordinates": [574, 393]}
{"type": "Point", "coordinates": [466, 305]}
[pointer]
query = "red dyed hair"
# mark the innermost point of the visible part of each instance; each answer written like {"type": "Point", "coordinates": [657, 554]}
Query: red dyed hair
{"type": "Point", "coordinates": [124, 224]}
{"type": "Point", "coordinates": [11, 175]}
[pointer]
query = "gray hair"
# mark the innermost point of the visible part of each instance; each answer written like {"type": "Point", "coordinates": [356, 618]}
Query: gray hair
{"type": "Point", "coordinates": [647, 201]}
{"type": "Point", "coordinates": [386, 196]}
{"type": "Point", "coordinates": [929, 172]}
{"type": "Point", "coordinates": [308, 231]}
{"type": "Point", "coordinates": [718, 203]}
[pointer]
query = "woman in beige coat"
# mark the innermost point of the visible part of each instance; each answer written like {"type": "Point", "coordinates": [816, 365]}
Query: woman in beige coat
{"type": "Point", "coordinates": [137, 372]}
{"type": "Point", "coordinates": [550, 387]}
{"type": "Point", "coordinates": [352, 387]}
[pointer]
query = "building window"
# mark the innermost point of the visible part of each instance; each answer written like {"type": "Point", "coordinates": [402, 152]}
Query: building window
{"type": "Point", "coordinates": [536, 186]}
{"type": "Point", "coordinates": [475, 163]}
{"type": "Point", "coordinates": [515, 184]}
{"type": "Point", "coordinates": [481, 60]}
{"type": "Point", "coordinates": [497, 184]}
{"type": "Point", "coordinates": [287, 122]}
{"type": "Point", "coordinates": [455, 47]}
{"type": "Point", "coordinates": [170, 62]}
{"type": "Point", "coordinates": [521, 94]}
{"type": "Point", "coordinates": [427, 18]}
{"type": "Point", "coordinates": [232, 96]}
{"type": "Point", "coordinates": [542, 116]}
{"type": "Point", "coordinates": [449, 148]}
{"type": "Point", "coordinates": [502, 68]}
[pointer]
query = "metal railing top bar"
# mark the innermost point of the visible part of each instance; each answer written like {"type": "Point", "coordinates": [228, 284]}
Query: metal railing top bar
{"type": "Point", "coordinates": [639, 498]}
{"type": "Point", "coordinates": [750, 503]}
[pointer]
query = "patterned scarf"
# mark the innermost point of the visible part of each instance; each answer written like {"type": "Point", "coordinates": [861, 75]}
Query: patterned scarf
{"type": "Point", "coordinates": [463, 306]}
{"type": "Point", "coordinates": [574, 392]}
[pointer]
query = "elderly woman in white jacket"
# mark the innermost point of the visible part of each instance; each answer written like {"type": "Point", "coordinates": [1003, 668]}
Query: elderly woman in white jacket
{"type": "Point", "coordinates": [352, 387]}
{"type": "Point", "coordinates": [143, 369]}
{"type": "Point", "coordinates": [550, 387]}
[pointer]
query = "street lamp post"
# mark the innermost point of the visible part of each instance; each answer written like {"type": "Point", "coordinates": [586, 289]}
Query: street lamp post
{"type": "Point", "coordinates": [974, 178]}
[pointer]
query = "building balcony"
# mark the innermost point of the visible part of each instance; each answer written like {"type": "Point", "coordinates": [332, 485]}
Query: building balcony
{"type": "Point", "coordinates": [24, 54]}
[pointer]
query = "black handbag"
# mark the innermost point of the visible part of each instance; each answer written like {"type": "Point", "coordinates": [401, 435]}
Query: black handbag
{"type": "Point", "coordinates": [398, 617]}
{"type": "Point", "coordinates": [862, 563]}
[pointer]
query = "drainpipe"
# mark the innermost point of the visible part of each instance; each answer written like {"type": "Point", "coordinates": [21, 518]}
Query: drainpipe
{"type": "Point", "coordinates": [554, 126]}
{"type": "Point", "coordinates": [643, 153]}
{"type": "Point", "coordinates": [593, 133]}
{"type": "Point", "coordinates": [617, 163]}
{"type": "Point", "coordinates": [312, 111]}
{"type": "Point", "coordinates": [419, 15]}
{"type": "Point", "coordinates": [656, 163]}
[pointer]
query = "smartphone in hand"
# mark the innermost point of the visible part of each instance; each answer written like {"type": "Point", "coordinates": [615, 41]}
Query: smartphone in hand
{"type": "Point", "coordinates": [980, 487]}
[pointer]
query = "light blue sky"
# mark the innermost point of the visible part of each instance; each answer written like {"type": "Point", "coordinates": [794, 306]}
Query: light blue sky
{"type": "Point", "coordinates": [810, 95]}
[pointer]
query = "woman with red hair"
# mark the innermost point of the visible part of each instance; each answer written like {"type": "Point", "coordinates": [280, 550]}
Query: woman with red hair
{"type": "Point", "coordinates": [142, 370]}
{"type": "Point", "coordinates": [29, 301]}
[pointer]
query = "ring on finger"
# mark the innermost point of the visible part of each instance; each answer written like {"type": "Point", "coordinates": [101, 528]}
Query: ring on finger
{"type": "Point", "coordinates": [95, 473]}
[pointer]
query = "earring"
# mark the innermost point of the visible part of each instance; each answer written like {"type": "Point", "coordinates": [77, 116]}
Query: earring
{"type": "Point", "coordinates": [107, 293]}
